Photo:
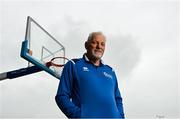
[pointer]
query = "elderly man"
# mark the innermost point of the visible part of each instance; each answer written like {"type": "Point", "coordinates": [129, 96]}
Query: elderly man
{"type": "Point", "coordinates": [88, 88]}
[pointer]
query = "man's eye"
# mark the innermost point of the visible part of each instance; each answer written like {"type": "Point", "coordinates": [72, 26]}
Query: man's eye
{"type": "Point", "coordinates": [93, 42]}
{"type": "Point", "coordinates": [103, 44]}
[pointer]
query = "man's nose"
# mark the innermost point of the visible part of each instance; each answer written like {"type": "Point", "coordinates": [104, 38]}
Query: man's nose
{"type": "Point", "coordinates": [98, 46]}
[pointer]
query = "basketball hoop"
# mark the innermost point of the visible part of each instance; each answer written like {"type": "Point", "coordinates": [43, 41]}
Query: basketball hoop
{"type": "Point", "coordinates": [57, 62]}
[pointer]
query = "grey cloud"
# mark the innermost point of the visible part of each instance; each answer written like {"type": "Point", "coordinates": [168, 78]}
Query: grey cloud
{"type": "Point", "coordinates": [71, 34]}
{"type": "Point", "coordinates": [125, 53]}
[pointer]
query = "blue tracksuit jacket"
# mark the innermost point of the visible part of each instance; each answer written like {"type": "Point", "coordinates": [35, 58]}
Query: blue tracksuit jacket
{"type": "Point", "coordinates": [89, 91]}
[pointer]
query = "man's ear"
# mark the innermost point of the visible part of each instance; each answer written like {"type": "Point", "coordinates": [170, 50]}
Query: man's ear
{"type": "Point", "coordinates": [86, 45]}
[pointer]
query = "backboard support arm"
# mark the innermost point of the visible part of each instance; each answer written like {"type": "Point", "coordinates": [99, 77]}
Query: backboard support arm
{"type": "Point", "coordinates": [20, 72]}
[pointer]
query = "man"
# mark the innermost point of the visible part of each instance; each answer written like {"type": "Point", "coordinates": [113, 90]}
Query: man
{"type": "Point", "coordinates": [88, 88]}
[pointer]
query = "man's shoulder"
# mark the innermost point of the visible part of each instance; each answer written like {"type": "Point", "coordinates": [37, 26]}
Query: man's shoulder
{"type": "Point", "coordinates": [109, 67]}
{"type": "Point", "coordinates": [73, 61]}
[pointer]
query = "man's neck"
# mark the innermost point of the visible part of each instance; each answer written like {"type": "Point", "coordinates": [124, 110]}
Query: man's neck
{"type": "Point", "coordinates": [95, 61]}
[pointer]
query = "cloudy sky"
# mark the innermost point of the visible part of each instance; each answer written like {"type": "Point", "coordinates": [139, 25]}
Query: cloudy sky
{"type": "Point", "coordinates": [142, 47]}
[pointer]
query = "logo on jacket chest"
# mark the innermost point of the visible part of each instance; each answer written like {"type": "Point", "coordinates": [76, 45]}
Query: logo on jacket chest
{"type": "Point", "coordinates": [85, 69]}
{"type": "Point", "coordinates": [107, 75]}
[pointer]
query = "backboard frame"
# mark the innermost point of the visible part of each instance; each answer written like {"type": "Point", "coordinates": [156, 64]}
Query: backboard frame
{"type": "Point", "coordinates": [25, 52]}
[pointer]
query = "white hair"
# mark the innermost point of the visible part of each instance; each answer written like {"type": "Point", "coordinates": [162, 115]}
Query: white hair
{"type": "Point", "coordinates": [94, 34]}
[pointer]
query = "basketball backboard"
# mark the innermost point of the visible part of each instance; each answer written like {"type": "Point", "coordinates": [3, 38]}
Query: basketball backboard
{"type": "Point", "coordinates": [39, 47]}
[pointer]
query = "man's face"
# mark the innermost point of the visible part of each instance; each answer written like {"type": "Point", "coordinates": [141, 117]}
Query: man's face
{"type": "Point", "coordinates": [95, 47]}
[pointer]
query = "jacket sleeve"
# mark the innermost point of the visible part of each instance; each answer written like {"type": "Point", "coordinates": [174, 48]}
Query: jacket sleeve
{"type": "Point", "coordinates": [64, 93]}
{"type": "Point", "coordinates": [119, 99]}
